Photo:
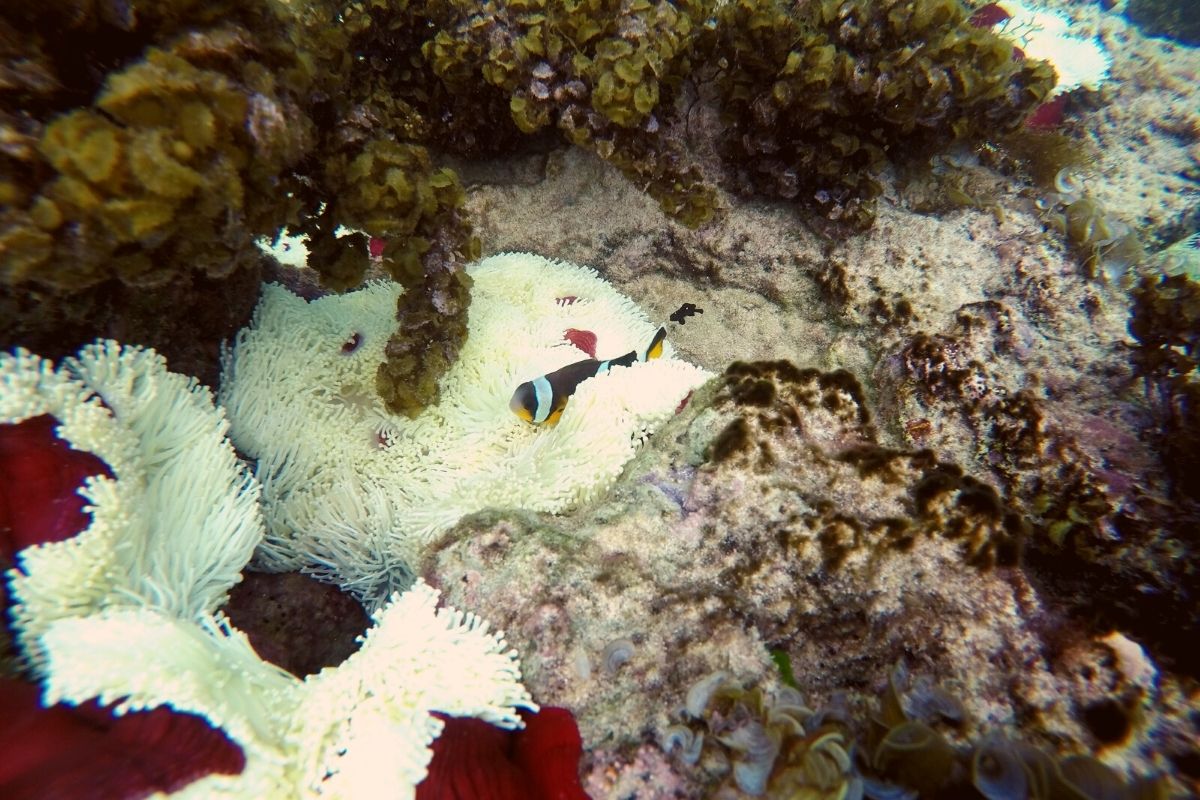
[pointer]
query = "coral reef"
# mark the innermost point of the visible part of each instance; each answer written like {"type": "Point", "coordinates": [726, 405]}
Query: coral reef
{"type": "Point", "coordinates": [1066, 469]}
{"type": "Point", "coordinates": [606, 73]}
{"type": "Point", "coordinates": [1108, 245]}
{"type": "Point", "coordinates": [773, 744]}
{"type": "Point", "coordinates": [354, 493]}
{"type": "Point", "coordinates": [1014, 520]}
{"type": "Point", "coordinates": [161, 155]}
{"type": "Point", "coordinates": [1166, 324]}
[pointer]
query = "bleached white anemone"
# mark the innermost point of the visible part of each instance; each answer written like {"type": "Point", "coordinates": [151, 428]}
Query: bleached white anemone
{"type": "Point", "coordinates": [1045, 35]}
{"type": "Point", "coordinates": [362, 729]}
{"type": "Point", "coordinates": [177, 521]}
{"type": "Point", "coordinates": [125, 611]}
{"type": "Point", "coordinates": [355, 492]}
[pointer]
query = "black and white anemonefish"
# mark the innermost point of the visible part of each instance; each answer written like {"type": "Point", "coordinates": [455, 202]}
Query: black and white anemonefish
{"type": "Point", "coordinates": [542, 400]}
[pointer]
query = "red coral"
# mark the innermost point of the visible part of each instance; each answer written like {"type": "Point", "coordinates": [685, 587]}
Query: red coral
{"type": "Point", "coordinates": [84, 752]}
{"type": "Point", "coordinates": [40, 476]}
{"type": "Point", "coordinates": [473, 760]}
{"type": "Point", "coordinates": [584, 340]}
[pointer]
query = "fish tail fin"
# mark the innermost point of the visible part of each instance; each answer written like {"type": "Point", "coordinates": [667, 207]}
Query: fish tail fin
{"type": "Point", "coordinates": [655, 349]}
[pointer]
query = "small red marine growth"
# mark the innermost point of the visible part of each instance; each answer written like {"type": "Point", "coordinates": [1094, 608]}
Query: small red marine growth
{"type": "Point", "coordinates": [989, 15]}
{"type": "Point", "coordinates": [40, 477]}
{"type": "Point", "coordinates": [1048, 115]}
{"type": "Point", "coordinates": [584, 340]}
{"type": "Point", "coordinates": [474, 760]}
{"type": "Point", "coordinates": [683, 403]}
{"type": "Point", "coordinates": [85, 753]}
{"type": "Point", "coordinates": [375, 247]}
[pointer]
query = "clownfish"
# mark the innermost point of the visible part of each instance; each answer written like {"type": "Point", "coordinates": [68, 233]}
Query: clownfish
{"type": "Point", "coordinates": [542, 400]}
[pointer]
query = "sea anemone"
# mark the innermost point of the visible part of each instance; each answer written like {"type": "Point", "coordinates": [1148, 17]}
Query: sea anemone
{"type": "Point", "coordinates": [353, 493]}
{"type": "Point", "coordinates": [1043, 34]}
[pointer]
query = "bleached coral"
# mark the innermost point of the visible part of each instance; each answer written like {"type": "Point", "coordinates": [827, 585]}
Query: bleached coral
{"type": "Point", "coordinates": [125, 611]}
{"type": "Point", "coordinates": [174, 526]}
{"type": "Point", "coordinates": [356, 492]}
{"type": "Point", "coordinates": [1046, 35]}
{"type": "Point", "coordinates": [362, 729]}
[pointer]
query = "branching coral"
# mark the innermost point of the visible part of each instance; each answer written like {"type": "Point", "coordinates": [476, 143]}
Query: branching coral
{"type": "Point", "coordinates": [357, 492]}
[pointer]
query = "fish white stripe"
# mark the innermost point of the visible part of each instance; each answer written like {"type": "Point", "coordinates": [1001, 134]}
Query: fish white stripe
{"type": "Point", "coordinates": [545, 399]}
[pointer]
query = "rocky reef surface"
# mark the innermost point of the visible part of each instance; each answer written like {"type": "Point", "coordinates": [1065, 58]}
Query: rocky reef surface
{"type": "Point", "coordinates": [937, 502]}
{"type": "Point", "coordinates": [978, 339]}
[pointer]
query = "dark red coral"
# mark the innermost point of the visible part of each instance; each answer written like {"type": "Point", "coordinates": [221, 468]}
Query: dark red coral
{"type": "Point", "coordinates": [40, 477]}
{"type": "Point", "coordinates": [85, 753]}
{"type": "Point", "coordinates": [473, 760]}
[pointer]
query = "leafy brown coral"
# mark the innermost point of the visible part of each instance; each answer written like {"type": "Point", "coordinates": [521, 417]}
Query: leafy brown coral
{"type": "Point", "coordinates": [821, 95]}
{"type": "Point", "coordinates": [606, 73]}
